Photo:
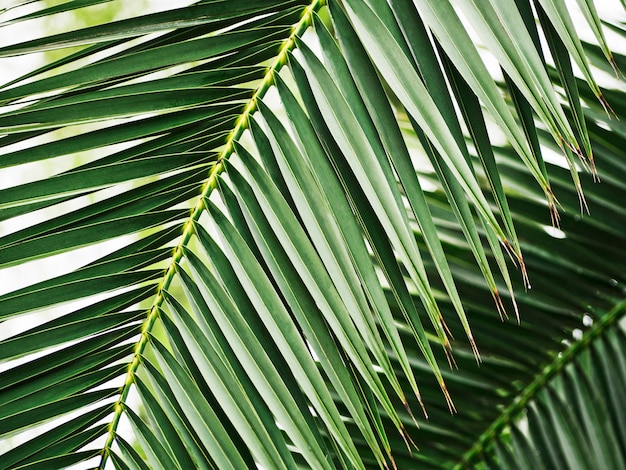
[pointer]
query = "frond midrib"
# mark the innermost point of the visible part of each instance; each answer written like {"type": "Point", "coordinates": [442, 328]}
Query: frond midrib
{"type": "Point", "coordinates": [543, 378]}
{"type": "Point", "coordinates": [210, 184]}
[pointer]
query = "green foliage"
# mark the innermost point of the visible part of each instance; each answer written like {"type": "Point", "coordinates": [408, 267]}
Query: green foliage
{"type": "Point", "coordinates": [331, 299]}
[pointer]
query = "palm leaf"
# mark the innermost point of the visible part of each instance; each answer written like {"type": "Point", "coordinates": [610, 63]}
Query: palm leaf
{"type": "Point", "coordinates": [572, 409]}
{"type": "Point", "coordinates": [279, 278]}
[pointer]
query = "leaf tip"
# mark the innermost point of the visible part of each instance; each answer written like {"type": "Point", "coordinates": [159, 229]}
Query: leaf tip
{"type": "Point", "coordinates": [474, 347]}
{"type": "Point", "coordinates": [407, 440]}
{"type": "Point", "coordinates": [499, 305]}
{"type": "Point", "coordinates": [447, 396]}
{"type": "Point", "coordinates": [607, 107]}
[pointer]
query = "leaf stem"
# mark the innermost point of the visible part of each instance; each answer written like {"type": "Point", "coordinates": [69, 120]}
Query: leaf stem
{"type": "Point", "coordinates": [188, 230]}
{"type": "Point", "coordinates": [520, 402]}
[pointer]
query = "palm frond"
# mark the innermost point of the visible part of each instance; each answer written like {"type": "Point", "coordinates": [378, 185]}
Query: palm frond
{"type": "Point", "coordinates": [267, 269]}
{"type": "Point", "coordinates": [571, 415]}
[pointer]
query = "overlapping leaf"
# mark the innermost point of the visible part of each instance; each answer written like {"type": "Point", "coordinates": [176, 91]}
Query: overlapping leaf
{"type": "Point", "coordinates": [305, 308]}
{"type": "Point", "coordinates": [575, 419]}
